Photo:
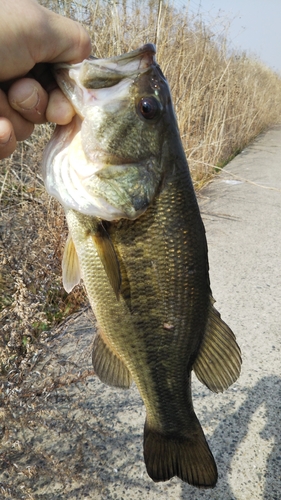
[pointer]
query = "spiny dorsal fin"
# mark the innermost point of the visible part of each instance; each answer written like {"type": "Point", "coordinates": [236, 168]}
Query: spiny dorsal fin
{"type": "Point", "coordinates": [218, 363]}
{"type": "Point", "coordinates": [108, 258]}
{"type": "Point", "coordinates": [71, 274]}
{"type": "Point", "coordinates": [109, 368]}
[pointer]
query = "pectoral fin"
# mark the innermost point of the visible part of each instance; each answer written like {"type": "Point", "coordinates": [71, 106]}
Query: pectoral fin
{"type": "Point", "coordinates": [218, 363]}
{"type": "Point", "coordinates": [109, 368]}
{"type": "Point", "coordinates": [108, 258]}
{"type": "Point", "coordinates": [71, 274]}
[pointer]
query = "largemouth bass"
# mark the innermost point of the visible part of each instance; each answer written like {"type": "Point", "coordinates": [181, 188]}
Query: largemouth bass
{"type": "Point", "coordinates": [137, 240]}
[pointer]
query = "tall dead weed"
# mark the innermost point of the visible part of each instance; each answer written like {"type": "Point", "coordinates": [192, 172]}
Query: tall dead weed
{"type": "Point", "coordinates": [223, 99]}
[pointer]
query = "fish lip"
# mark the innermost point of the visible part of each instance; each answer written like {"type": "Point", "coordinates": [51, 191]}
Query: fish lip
{"type": "Point", "coordinates": [88, 73]}
{"type": "Point", "coordinates": [104, 161]}
{"type": "Point", "coordinates": [149, 50]}
{"type": "Point", "coordinates": [107, 159]}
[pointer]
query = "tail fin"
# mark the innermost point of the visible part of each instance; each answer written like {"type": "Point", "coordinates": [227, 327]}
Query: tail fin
{"type": "Point", "coordinates": [189, 458]}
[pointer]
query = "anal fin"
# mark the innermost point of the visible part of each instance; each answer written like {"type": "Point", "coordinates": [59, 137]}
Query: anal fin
{"type": "Point", "coordinates": [108, 366]}
{"type": "Point", "coordinates": [71, 273]}
{"type": "Point", "coordinates": [218, 363]}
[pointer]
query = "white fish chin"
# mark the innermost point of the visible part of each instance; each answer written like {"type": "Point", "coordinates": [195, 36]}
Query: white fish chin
{"type": "Point", "coordinates": [65, 167]}
{"type": "Point", "coordinates": [79, 162]}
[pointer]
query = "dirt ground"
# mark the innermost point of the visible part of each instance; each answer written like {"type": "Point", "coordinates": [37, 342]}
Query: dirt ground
{"type": "Point", "coordinates": [65, 435]}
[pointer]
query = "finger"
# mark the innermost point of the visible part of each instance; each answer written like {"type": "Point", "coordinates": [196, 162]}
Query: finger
{"type": "Point", "coordinates": [8, 141]}
{"type": "Point", "coordinates": [22, 128]}
{"type": "Point", "coordinates": [59, 109]}
{"type": "Point", "coordinates": [29, 98]}
{"type": "Point", "coordinates": [63, 40]}
{"type": "Point", "coordinates": [73, 52]}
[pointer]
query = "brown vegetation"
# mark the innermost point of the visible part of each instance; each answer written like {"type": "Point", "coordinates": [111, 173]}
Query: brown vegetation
{"type": "Point", "coordinates": [222, 100]}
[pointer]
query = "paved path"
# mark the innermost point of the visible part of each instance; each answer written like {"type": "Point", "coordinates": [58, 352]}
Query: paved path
{"type": "Point", "coordinates": [84, 440]}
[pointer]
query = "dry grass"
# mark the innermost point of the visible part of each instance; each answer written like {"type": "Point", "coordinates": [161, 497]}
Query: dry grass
{"type": "Point", "coordinates": [33, 232]}
{"type": "Point", "coordinates": [222, 99]}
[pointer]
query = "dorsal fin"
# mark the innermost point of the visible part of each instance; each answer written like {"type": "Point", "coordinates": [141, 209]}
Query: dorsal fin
{"type": "Point", "coordinates": [218, 363]}
{"type": "Point", "coordinates": [71, 273]}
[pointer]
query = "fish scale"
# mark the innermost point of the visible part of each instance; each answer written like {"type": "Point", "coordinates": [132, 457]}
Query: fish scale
{"type": "Point", "coordinates": [146, 347]}
{"type": "Point", "coordinates": [138, 242]}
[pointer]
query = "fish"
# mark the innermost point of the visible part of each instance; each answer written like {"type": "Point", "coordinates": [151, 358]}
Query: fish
{"type": "Point", "coordinates": [137, 240]}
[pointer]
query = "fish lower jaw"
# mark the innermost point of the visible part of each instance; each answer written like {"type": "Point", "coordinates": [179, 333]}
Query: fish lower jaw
{"type": "Point", "coordinates": [92, 206]}
{"type": "Point", "coordinates": [99, 189]}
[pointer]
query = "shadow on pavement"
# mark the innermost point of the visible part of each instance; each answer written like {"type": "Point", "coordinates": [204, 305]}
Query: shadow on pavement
{"type": "Point", "coordinates": [233, 430]}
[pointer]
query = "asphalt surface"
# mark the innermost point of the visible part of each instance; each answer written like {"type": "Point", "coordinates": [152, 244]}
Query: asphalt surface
{"type": "Point", "coordinates": [84, 440]}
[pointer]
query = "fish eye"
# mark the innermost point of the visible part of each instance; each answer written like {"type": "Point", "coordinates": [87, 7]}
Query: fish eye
{"type": "Point", "coordinates": [149, 107]}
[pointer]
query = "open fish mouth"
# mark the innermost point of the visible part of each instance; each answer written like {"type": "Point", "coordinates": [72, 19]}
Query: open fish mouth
{"type": "Point", "coordinates": [100, 75]}
{"type": "Point", "coordinates": [109, 71]}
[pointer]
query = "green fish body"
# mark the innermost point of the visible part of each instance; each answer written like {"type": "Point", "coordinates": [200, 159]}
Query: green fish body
{"type": "Point", "coordinates": [138, 242]}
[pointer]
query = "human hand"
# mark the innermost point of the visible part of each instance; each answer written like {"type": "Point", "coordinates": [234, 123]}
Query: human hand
{"type": "Point", "coordinates": [31, 37]}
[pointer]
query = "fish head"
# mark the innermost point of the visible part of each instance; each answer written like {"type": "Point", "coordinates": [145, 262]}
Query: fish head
{"type": "Point", "coordinates": [109, 162]}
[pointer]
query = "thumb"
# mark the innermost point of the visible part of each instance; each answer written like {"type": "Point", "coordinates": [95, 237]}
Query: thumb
{"type": "Point", "coordinates": [63, 40]}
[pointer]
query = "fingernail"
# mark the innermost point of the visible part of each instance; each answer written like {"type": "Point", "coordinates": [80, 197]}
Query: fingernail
{"type": "Point", "coordinates": [5, 136]}
{"type": "Point", "coordinates": [30, 103]}
{"type": "Point", "coordinates": [4, 141]}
